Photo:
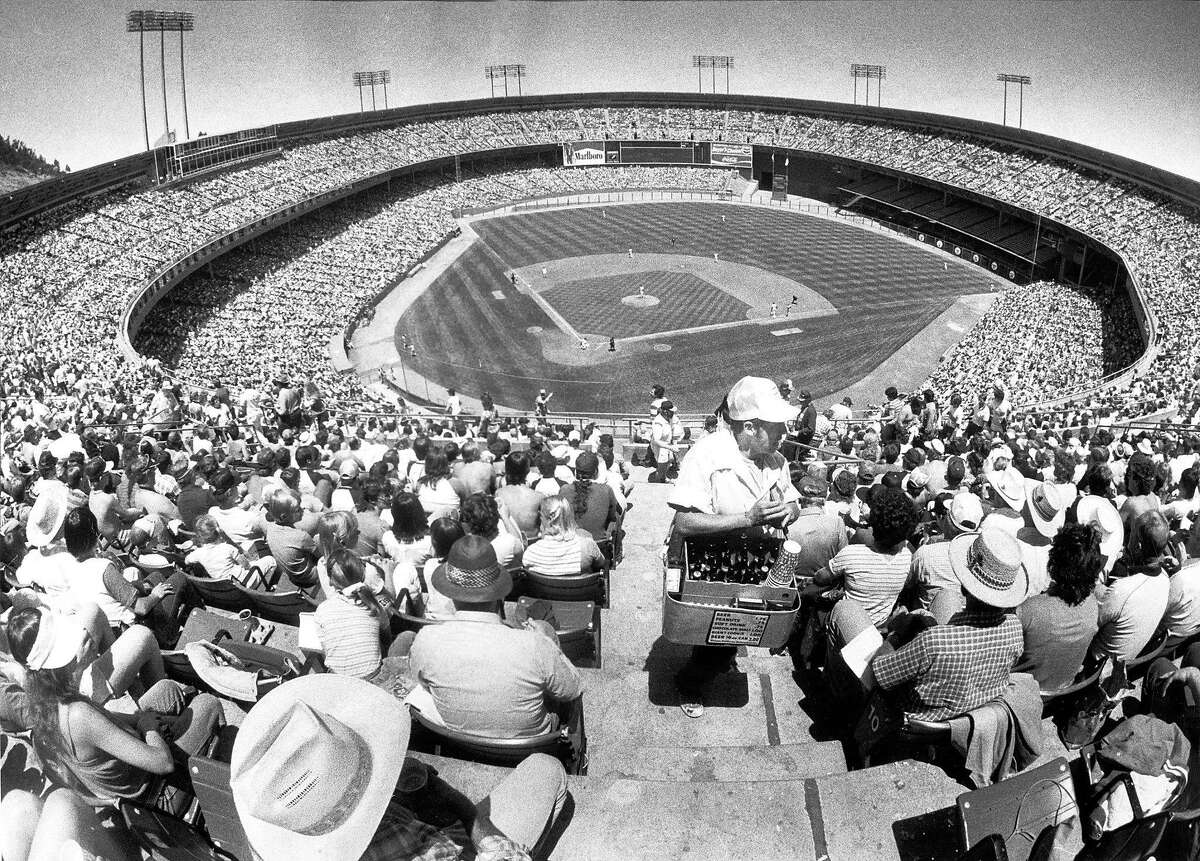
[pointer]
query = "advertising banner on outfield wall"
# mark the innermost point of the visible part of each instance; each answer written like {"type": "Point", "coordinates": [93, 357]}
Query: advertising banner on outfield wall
{"type": "Point", "coordinates": [732, 155]}
{"type": "Point", "coordinates": [583, 152]}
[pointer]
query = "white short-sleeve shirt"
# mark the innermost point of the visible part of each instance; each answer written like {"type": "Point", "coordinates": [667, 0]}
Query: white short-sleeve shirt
{"type": "Point", "coordinates": [716, 478]}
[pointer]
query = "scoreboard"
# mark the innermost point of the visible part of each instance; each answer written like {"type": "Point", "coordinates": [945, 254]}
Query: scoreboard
{"type": "Point", "coordinates": [637, 152]}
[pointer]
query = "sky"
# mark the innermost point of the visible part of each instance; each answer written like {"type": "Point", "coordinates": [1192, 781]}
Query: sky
{"type": "Point", "coordinates": [1120, 76]}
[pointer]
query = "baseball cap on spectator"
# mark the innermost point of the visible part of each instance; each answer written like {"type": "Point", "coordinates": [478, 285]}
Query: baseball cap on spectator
{"type": "Point", "coordinates": [965, 511]}
{"type": "Point", "coordinates": [348, 468]}
{"type": "Point", "coordinates": [758, 398]}
{"type": "Point", "coordinates": [891, 393]}
{"type": "Point", "coordinates": [866, 473]}
{"type": "Point", "coordinates": [805, 395]}
{"type": "Point", "coordinates": [847, 402]}
{"type": "Point", "coordinates": [956, 471]}
{"type": "Point", "coordinates": [918, 479]}
{"type": "Point", "coordinates": [574, 436]}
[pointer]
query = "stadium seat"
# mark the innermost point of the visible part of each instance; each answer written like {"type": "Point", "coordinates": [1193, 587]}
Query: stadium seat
{"type": "Point", "coordinates": [1019, 810]}
{"type": "Point", "coordinates": [580, 587]}
{"type": "Point", "coordinates": [210, 779]}
{"type": "Point", "coordinates": [222, 594]}
{"type": "Point", "coordinates": [1154, 649]}
{"type": "Point", "coordinates": [282, 607]}
{"type": "Point", "coordinates": [164, 837]}
{"type": "Point", "coordinates": [568, 744]}
{"type": "Point", "coordinates": [577, 624]}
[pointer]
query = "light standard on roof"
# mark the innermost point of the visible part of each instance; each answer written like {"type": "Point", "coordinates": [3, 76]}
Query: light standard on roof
{"type": "Point", "coordinates": [714, 62]}
{"type": "Point", "coordinates": [144, 21]}
{"type": "Point", "coordinates": [383, 76]}
{"type": "Point", "coordinates": [505, 71]}
{"type": "Point", "coordinates": [1023, 81]}
{"type": "Point", "coordinates": [360, 80]}
{"type": "Point", "coordinates": [868, 71]}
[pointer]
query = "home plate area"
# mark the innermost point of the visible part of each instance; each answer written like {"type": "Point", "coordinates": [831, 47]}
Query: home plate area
{"type": "Point", "coordinates": [684, 301]}
{"type": "Point", "coordinates": [632, 298]}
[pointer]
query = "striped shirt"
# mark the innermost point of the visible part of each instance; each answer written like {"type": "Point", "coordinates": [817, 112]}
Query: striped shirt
{"type": "Point", "coordinates": [562, 557]}
{"type": "Point", "coordinates": [349, 635]}
{"type": "Point", "coordinates": [871, 578]}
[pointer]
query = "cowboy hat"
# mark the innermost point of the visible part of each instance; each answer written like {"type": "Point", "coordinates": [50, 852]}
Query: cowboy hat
{"type": "Point", "coordinates": [471, 573]}
{"type": "Point", "coordinates": [988, 564]}
{"type": "Point", "coordinates": [1102, 514]}
{"type": "Point", "coordinates": [1047, 507]}
{"type": "Point", "coordinates": [46, 519]}
{"type": "Point", "coordinates": [314, 765]}
{"type": "Point", "coordinates": [57, 643]}
{"type": "Point", "coordinates": [1009, 484]}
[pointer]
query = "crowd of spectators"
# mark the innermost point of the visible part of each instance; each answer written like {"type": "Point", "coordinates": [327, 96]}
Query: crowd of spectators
{"type": "Point", "coordinates": [1045, 340]}
{"type": "Point", "coordinates": [66, 276]}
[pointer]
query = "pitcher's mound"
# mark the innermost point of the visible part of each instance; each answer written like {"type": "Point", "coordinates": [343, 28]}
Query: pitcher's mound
{"type": "Point", "coordinates": [646, 301]}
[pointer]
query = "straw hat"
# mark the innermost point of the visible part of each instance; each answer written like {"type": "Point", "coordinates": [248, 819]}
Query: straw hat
{"type": "Point", "coordinates": [46, 519]}
{"type": "Point", "coordinates": [1047, 507]}
{"type": "Point", "coordinates": [1010, 486]}
{"type": "Point", "coordinates": [472, 573]}
{"type": "Point", "coordinates": [988, 564]}
{"type": "Point", "coordinates": [314, 765]}
{"type": "Point", "coordinates": [1102, 514]}
{"type": "Point", "coordinates": [58, 641]}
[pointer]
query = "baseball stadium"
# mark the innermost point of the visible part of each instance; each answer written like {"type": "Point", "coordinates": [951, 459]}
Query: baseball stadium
{"type": "Point", "coordinates": [600, 475]}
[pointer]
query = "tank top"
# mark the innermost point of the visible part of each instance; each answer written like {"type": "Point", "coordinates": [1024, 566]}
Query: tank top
{"type": "Point", "coordinates": [101, 775]}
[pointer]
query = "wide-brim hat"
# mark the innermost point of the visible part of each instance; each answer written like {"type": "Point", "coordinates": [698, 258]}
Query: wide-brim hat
{"type": "Point", "coordinates": [314, 766]}
{"type": "Point", "coordinates": [1010, 486]}
{"type": "Point", "coordinates": [1047, 507]}
{"type": "Point", "coordinates": [472, 573]}
{"type": "Point", "coordinates": [58, 641]}
{"type": "Point", "coordinates": [1102, 514]}
{"type": "Point", "coordinates": [46, 518]}
{"type": "Point", "coordinates": [988, 564]}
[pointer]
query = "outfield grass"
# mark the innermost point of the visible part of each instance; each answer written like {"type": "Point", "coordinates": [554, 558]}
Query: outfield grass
{"type": "Point", "coordinates": [885, 292]}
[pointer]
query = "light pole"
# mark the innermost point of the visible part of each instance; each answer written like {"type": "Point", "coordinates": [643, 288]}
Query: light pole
{"type": "Point", "coordinates": [138, 22]}
{"type": "Point", "coordinates": [1023, 81]}
{"type": "Point", "coordinates": [360, 80]}
{"type": "Point", "coordinates": [867, 71]}
{"type": "Point", "coordinates": [713, 62]}
{"type": "Point", "coordinates": [383, 76]}
{"type": "Point", "coordinates": [150, 21]}
{"type": "Point", "coordinates": [505, 71]}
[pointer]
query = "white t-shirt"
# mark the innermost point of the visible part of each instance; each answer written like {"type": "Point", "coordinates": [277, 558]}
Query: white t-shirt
{"type": "Point", "coordinates": [716, 478]}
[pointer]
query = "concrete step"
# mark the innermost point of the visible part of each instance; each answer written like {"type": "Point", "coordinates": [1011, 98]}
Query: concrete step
{"type": "Point", "coordinates": [743, 763]}
{"type": "Point", "coordinates": [617, 818]}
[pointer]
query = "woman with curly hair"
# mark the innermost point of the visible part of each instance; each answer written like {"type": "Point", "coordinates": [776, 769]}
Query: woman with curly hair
{"type": "Point", "coordinates": [1060, 623]}
{"type": "Point", "coordinates": [593, 503]}
{"type": "Point", "coordinates": [873, 574]}
{"type": "Point", "coordinates": [1141, 480]}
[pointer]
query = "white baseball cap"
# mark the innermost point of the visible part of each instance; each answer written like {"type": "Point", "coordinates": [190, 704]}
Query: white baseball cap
{"type": "Point", "coordinates": [758, 398]}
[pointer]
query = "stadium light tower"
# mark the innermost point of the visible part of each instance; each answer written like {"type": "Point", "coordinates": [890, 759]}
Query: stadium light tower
{"type": "Point", "coordinates": [145, 21]}
{"type": "Point", "coordinates": [383, 76]}
{"type": "Point", "coordinates": [183, 22]}
{"type": "Point", "coordinates": [505, 71]}
{"type": "Point", "coordinates": [360, 80]}
{"type": "Point", "coordinates": [714, 62]}
{"type": "Point", "coordinates": [1023, 81]}
{"type": "Point", "coordinates": [868, 71]}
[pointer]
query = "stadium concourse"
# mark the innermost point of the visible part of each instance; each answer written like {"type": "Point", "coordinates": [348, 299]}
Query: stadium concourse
{"type": "Point", "coordinates": [977, 563]}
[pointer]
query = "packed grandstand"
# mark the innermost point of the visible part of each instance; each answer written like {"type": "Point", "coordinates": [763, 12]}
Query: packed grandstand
{"type": "Point", "coordinates": [1020, 529]}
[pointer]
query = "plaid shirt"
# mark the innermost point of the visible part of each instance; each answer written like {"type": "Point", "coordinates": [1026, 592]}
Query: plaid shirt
{"type": "Point", "coordinates": [955, 667]}
{"type": "Point", "coordinates": [401, 837]}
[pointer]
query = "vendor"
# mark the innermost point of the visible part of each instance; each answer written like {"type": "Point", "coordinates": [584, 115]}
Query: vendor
{"type": "Point", "coordinates": [734, 480]}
